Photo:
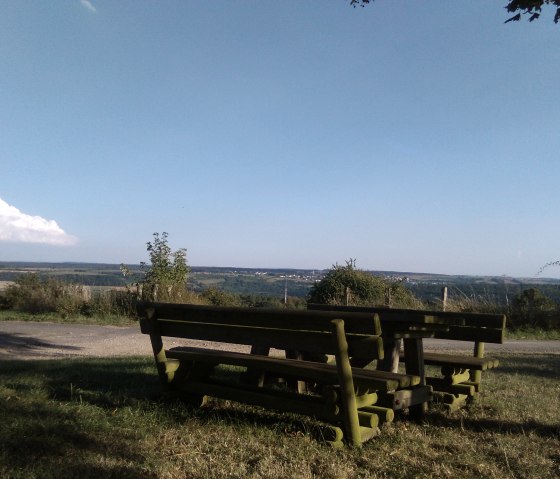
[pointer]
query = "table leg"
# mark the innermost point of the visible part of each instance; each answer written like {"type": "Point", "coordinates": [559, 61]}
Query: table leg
{"type": "Point", "coordinates": [252, 376]}
{"type": "Point", "coordinates": [414, 362]}
{"type": "Point", "coordinates": [391, 350]}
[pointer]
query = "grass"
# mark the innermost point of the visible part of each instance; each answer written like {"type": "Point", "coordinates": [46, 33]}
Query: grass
{"type": "Point", "coordinates": [97, 319]}
{"type": "Point", "coordinates": [100, 418]}
{"type": "Point", "coordinates": [533, 333]}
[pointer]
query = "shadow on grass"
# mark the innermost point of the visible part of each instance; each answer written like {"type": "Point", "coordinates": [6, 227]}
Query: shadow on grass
{"type": "Point", "coordinates": [58, 417]}
{"type": "Point", "coordinates": [99, 418]}
{"type": "Point", "coordinates": [101, 380]}
{"type": "Point", "coordinates": [542, 366]}
{"type": "Point", "coordinates": [498, 426]}
{"type": "Point", "coordinates": [28, 344]}
{"type": "Point", "coordinates": [61, 418]}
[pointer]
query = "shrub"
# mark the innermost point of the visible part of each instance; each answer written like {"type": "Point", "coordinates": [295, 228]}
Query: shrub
{"type": "Point", "coordinates": [346, 285]}
{"type": "Point", "coordinates": [531, 308]}
{"type": "Point", "coordinates": [32, 294]}
{"type": "Point", "coordinates": [166, 278]}
{"type": "Point", "coordinates": [217, 297]}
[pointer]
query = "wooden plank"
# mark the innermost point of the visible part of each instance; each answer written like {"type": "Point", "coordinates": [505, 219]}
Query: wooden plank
{"type": "Point", "coordinates": [318, 372]}
{"type": "Point", "coordinates": [349, 411]}
{"type": "Point", "coordinates": [368, 419]}
{"type": "Point", "coordinates": [471, 333]}
{"type": "Point", "coordinates": [440, 385]}
{"type": "Point", "coordinates": [355, 323]}
{"type": "Point", "coordinates": [458, 378]}
{"type": "Point", "coordinates": [313, 341]}
{"type": "Point", "coordinates": [407, 398]}
{"type": "Point", "coordinates": [458, 361]}
{"type": "Point", "coordinates": [414, 358]}
{"type": "Point", "coordinates": [469, 319]}
{"type": "Point", "coordinates": [482, 319]}
{"type": "Point", "coordinates": [394, 380]}
{"type": "Point", "coordinates": [393, 315]}
{"type": "Point", "coordinates": [473, 319]}
{"type": "Point", "coordinates": [385, 414]}
{"type": "Point", "coordinates": [390, 361]}
{"type": "Point", "coordinates": [297, 403]}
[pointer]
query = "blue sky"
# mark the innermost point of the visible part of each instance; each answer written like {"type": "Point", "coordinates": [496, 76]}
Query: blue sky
{"type": "Point", "coordinates": [411, 136]}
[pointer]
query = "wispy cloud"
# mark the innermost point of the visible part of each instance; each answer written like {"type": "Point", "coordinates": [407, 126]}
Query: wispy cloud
{"type": "Point", "coordinates": [21, 228]}
{"type": "Point", "coordinates": [87, 4]}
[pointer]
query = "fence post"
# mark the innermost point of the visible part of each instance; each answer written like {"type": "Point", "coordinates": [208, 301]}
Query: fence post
{"type": "Point", "coordinates": [444, 298]}
{"type": "Point", "coordinates": [388, 297]}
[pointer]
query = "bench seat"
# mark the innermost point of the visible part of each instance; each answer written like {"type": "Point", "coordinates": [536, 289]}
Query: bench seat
{"type": "Point", "coordinates": [364, 379]}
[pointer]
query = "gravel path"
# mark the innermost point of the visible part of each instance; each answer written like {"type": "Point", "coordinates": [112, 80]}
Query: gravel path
{"type": "Point", "coordinates": [28, 340]}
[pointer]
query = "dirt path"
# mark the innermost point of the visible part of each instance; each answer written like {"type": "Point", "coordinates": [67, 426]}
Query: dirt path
{"type": "Point", "coordinates": [28, 340]}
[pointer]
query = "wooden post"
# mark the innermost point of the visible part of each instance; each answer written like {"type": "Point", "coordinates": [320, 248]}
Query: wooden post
{"type": "Point", "coordinates": [414, 361]}
{"type": "Point", "coordinates": [252, 376]}
{"type": "Point", "coordinates": [391, 351]}
{"type": "Point", "coordinates": [166, 369]}
{"type": "Point", "coordinates": [388, 297]}
{"type": "Point", "coordinates": [444, 298]}
{"type": "Point", "coordinates": [297, 385]}
{"type": "Point", "coordinates": [476, 376]}
{"type": "Point", "coordinates": [348, 396]}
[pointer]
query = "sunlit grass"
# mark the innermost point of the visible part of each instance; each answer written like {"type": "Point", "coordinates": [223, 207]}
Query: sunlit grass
{"type": "Point", "coordinates": [99, 319]}
{"type": "Point", "coordinates": [108, 418]}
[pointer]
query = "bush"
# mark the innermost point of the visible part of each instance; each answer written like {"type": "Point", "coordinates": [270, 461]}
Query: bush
{"type": "Point", "coordinates": [532, 309]}
{"type": "Point", "coordinates": [346, 285]}
{"type": "Point", "coordinates": [166, 277]}
{"type": "Point", "coordinates": [33, 294]}
{"type": "Point", "coordinates": [217, 297]}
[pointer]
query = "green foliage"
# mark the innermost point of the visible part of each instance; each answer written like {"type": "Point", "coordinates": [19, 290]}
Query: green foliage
{"type": "Point", "coordinates": [346, 285]}
{"type": "Point", "coordinates": [217, 297]}
{"type": "Point", "coordinates": [166, 278]}
{"type": "Point", "coordinates": [33, 294]}
{"type": "Point", "coordinates": [37, 295]}
{"type": "Point", "coordinates": [112, 302]}
{"type": "Point", "coordinates": [533, 8]}
{"type": "Point", "coordinates": [532, 309]}
{"type": "Point", "coordinates": [529, 310]}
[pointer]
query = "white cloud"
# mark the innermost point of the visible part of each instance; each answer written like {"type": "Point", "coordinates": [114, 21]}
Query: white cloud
{"type": "Point", "coordinates": [18, 227]}
{"type": "Point", "coordinates": [87, 4]}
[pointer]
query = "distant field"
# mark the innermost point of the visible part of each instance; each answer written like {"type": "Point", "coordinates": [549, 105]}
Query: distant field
{"type": "Point", "coordinates": [273, 282]}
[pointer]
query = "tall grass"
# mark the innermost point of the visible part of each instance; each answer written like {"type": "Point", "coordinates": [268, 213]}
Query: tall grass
{"type": "Point", "coordinates": [526, 312]}
{"type": "Point", "coordinates": [108, 418]}
{"type": "Point", "coordinates": [39, 296]}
